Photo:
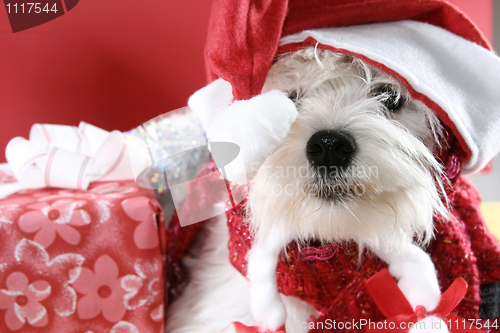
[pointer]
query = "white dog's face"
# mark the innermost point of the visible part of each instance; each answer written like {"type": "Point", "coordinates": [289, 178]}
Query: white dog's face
{"type": "Point", "coordinates": [358, 162]}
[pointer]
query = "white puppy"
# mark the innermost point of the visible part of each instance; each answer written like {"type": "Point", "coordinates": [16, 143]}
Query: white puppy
{"type": "Point", "coordinates": [357, 165]}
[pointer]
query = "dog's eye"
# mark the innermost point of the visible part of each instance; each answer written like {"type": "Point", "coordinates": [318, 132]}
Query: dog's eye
{"type": "Point", "coordinates": [390, 97]}
{"type": "Point", "coordinates": [293, 96]}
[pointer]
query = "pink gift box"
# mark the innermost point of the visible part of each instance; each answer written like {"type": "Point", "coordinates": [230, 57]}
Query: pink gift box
{"type": "Point", "coordinates": [82, 261]}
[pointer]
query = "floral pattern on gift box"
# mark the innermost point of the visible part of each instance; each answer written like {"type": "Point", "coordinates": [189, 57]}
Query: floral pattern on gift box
{"type": "Point", "coordinates": [143, 287]}
{"type": "Point", "coordinates": [22, 301]}
{"type": "Point", "coordinates": [103, 195]}
{"type": "Point", "coordinates": [124, 327]}
{"type": "Point", "coordinates": [63, 270]}
{"type": "Point", "coordinates": [112, 190]}
{"type": "Point", "coordinates": [141, 209]}
{"type": "Point", "coordinates": [158, 313]}
{"type": "Point", "coordinates": [102, 290]}
{"type": "Point", "coordinates": [8, 213]}
{"type": "Point", "coordinates": [104, 254]}
{"type": "Point", "coordinates": [60, 217]}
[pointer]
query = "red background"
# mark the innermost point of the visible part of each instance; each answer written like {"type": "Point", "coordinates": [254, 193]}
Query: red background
{"type": "Point", "coordinates": [114, 63]}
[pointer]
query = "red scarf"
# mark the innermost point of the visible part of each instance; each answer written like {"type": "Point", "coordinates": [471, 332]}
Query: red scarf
{"type": "Point", "coordinates": [332, 278]}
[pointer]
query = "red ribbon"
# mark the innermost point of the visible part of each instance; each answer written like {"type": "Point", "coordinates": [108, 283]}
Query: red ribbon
{"type": "Point", "coordinates": [394, 305]}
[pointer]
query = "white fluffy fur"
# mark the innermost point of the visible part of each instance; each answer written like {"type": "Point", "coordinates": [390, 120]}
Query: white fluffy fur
{"type": "Point", "coordinates": [394, 151]}
{"type": "Point", "coordinates": [395, 203]}
{"type": "Point", "coordinates": [218, 294]}
{"type": "Point", "coordinates": [258, 125]}
{"type": "Point", "coordinates": [211, 99]}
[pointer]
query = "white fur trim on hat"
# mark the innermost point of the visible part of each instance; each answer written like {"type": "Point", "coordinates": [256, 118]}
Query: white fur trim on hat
{"type": "Point", "coordinates": [258, 125]}
{"type": "Point", "coordinates": [209, 100]}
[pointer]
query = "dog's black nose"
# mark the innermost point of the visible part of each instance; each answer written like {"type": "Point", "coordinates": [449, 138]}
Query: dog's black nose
{"type": "Point", "coordinates": [331, 149]}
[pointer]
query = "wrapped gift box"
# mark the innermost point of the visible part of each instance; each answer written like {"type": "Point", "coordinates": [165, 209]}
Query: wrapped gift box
{"type": "Point", "coordinates": [82, 261]}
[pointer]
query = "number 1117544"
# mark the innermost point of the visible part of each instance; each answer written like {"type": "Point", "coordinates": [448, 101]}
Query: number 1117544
{"type": "Point", "coordinates": [30, 7]}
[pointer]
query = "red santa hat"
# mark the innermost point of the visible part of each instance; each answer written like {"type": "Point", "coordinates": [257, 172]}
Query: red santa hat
{"type": "Point", "coordinates": [429, 45]}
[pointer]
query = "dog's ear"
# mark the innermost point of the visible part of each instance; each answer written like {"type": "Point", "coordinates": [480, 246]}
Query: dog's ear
{"type": "Point", "coordinates": [258, 125]}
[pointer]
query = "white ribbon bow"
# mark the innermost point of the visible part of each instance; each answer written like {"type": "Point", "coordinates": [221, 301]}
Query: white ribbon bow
{"type": "Point", "coordinates": [69, 156]}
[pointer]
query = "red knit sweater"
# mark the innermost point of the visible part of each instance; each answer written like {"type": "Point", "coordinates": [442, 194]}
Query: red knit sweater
{"type": "Point", "coordinates": [462, 246]}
